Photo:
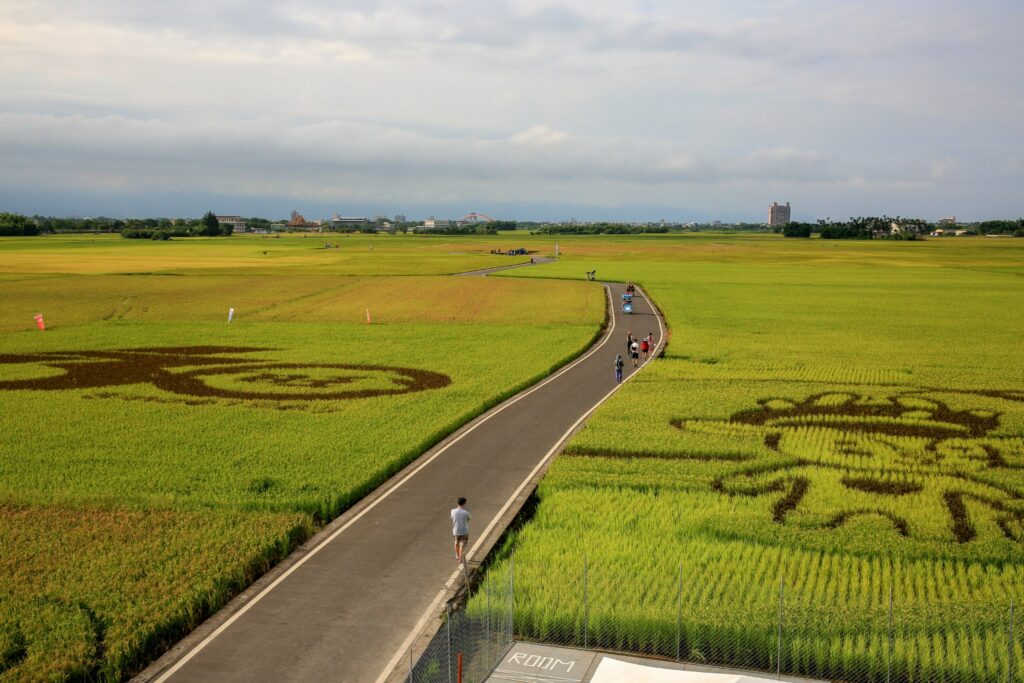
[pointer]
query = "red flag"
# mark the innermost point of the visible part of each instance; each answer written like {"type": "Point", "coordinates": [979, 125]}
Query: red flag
{"type": "Point", "coordinates": [39, 321]}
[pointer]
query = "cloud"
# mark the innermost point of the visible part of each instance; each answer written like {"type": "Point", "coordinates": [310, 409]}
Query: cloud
{"type": "Point", "coordinates": [325, 157]}
{"type": "Point", "coordinates": [584, 101]}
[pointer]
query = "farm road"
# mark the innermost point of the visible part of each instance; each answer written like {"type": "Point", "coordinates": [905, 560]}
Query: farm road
{"type": "Point", "coordinates": [537, 260]}
{"type": "Point", "coordinates": [345, 604]}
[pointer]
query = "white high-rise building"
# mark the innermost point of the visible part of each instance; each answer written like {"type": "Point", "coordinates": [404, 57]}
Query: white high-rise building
{"type": "Point", "coordinates": [778, 214]}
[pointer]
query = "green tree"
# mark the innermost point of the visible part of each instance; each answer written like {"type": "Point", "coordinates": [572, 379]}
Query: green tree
{"type": "Point", "coordinates": [797, 229]}
{"type": "Point", "coordinates": [14, 224]}
{"type": "Point", "coordinates": [210, 225]}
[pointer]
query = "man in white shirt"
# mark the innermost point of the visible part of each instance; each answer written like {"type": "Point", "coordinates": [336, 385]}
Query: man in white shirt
{"type": "Point", "coordinates": [460, 529]}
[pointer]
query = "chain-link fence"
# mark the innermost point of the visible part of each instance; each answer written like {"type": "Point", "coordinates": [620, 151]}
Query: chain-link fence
{"type": "Point", "coordinates": [473, 638]}
{"type": "Point", "coordinates": [788, 626]}
{"type": "Point", "coordinates": [880, 634]}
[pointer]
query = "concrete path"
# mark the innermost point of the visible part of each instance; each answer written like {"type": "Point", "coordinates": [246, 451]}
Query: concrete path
{"type": "Point", "coordinates": [346, 605]}
{"type": "Point", "coordinates": [537, 260]}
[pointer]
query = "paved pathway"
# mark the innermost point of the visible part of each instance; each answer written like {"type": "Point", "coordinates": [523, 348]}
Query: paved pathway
{"type": "Point", "coordinates": [344, 604]}
{"type": "Point", "coordinates": [537, 260]}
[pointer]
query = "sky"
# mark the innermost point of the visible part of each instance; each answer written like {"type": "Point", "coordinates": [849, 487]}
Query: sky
{"type": "Point", "coordinates": [529, 110]}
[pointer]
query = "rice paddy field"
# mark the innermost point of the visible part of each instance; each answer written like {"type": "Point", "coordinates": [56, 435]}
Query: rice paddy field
{"type": "Point", "coordinates": [156, 459]}
{"type": "Point", "coordinates": [824, 475]}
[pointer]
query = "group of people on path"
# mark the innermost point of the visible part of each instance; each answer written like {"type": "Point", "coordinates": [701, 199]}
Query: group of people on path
{"type": "Point", "coordinates": [637, 349]}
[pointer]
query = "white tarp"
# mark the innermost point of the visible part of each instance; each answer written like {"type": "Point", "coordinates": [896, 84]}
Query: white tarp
{"type": "Point", "coordinates": [617, 671]}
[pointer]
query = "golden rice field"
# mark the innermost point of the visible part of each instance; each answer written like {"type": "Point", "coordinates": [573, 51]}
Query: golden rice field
{"type": "Point", "coordinates": [349, 255]}
{"type": "Point", "coordinates": [834, 428]}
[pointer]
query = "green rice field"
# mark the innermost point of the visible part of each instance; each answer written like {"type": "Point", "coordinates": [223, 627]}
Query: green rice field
{"type": "Point", "coordinates": [157, 459]}
{"type": "Point", "coordinates": [834, 428]}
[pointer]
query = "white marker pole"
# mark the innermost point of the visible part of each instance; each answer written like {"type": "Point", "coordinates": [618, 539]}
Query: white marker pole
{"type": "Point", "coordinates": [367, 316]}
{"type": "Point", "coordinates": [231, 314]}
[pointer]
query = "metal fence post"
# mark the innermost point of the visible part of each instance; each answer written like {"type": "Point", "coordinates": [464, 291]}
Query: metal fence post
{"type": "Point", "coordinates": [511, 596]}
{"type": "Point", "coordinates": [778, 659]}
{"type": "Point", "coordinates": [487, 646]}
{"type": "Point", "coordinates": [1009, 646]}
{"type": "Point", "coordinates": [890, 639]}
{"type": "Point", "coordinates": [679, 616]}
{"type": "Point", "coordinates": [586, 607]}
{"type": "Point", "coordinates": [448, 609]}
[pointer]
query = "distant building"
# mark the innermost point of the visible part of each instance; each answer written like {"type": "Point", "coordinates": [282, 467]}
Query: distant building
{"type": "Point", "coordinates": [436, 223]}
{"type": "Point", "coordinates": [949, 220]}
{"type": "Point", "coordinates": [400, 218]}
{"type": "Point", "coordinates": [778, 214]}
{"type": "Point", "coordinates": [236, 222]}
{"type": "Point", "coordinates": [474, 217]}
{"type": "Point", "coordinates": [348, 222]}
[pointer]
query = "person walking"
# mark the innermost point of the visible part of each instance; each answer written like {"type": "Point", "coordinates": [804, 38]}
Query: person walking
{"type": "Point", "coordinates": [460, 530]}
{"type": "Point", "coordinates": [618, 368]}
{"type": "Point", "coordinates": [634, 351]}
{"type": "Point", "coordinates": [643, 348]}
{"type": "Point", "coordinates": [629, 342]}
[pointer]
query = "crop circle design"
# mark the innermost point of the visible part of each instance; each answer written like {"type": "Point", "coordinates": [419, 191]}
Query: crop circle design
{"type": "Point", "coordinates": [217, 372]}
{"type": "Point", "coordinates": [301, 382]}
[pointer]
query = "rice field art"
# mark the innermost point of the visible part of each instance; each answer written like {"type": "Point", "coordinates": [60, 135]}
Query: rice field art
{"type": "Point", "coordinates": [143, 484]}
{"type": "Point", "coordinates": [823, 476]}
{"type": "Point", "coordinates": [905, 460]}
{"type": "Point", "coordinates": [220, 373]}
{"type": "Point", "coordinates": [157, 459]}
{"type": "Point", "coordinates": [850, 534]}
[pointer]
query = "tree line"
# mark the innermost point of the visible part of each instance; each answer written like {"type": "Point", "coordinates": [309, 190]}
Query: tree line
{"type": "Point", "coordinates": [600, 229]}
{"type": "Point", "coordinates": [898, 228]}
{"type": "Point", "coordinates": [14, 224]}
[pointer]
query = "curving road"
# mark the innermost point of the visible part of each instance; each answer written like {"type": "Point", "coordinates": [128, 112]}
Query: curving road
{"type": "Point", "coordinates": [348, 603]}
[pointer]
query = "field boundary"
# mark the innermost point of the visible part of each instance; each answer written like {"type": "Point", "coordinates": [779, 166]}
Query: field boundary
{"type": "Point", "coordinates": [194, 642]}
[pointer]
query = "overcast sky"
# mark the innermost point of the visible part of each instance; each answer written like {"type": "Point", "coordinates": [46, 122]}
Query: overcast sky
{"type": "Point", "coordinates": [525, 109]}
